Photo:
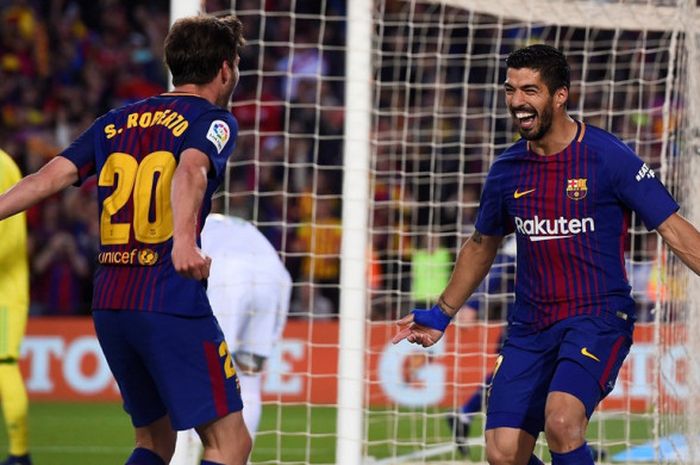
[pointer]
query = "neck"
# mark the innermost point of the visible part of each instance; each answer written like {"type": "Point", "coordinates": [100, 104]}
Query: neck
{"type": "Point", "coordinates": [206, 92]}
{"type": "Point", "coordinates": [558, 137]}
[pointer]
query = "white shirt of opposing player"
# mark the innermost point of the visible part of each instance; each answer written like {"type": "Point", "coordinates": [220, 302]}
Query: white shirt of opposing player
{"type": "Point", "coordinates": [249, 288]}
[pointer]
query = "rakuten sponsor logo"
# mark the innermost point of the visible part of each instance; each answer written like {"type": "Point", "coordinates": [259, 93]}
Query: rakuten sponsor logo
{"type": "Point", "coordinates": [539, 229]}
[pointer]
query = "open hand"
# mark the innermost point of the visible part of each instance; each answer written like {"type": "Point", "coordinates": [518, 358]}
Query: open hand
{"type": "Point", "coordinates": [415, 333]}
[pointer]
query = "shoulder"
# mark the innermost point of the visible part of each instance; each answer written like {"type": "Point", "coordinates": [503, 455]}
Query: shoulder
{"type": "Point", "coordinates": [508, 158]}
{"type": "Point", "coordinates": [216, 222]}
{"type": "Point", "coordinates": [513, 152]}
{"type": "Point", "coordinates": [607, 145]}
{"type": "Point", "coordinates": [220, 126]}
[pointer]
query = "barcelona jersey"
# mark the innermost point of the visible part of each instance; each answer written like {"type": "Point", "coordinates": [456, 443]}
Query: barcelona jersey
{"type": "Point", "coordinates": [571, 212]}
{"type": "Point", "coordinates": [134, 151]}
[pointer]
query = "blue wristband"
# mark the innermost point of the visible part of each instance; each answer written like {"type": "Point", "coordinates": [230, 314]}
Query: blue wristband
{"type": "Point", "coordinates": [434, 318]}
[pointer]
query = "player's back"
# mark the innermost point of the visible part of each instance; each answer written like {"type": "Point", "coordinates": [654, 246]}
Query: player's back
{"type": "Point", "coordinates": [249, 286]}
{"type": "Point", "coordinates": [134, 150]}
{"type": "Point", "coordinates": [236, 240]}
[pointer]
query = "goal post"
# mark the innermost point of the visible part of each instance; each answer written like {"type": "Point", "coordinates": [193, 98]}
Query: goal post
{"type": "Point", "coordinates": [366, 132]}
{"type": "Point", "coordinates": [353, 271]}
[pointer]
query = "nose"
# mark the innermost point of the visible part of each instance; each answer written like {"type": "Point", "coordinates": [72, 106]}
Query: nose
{"type": "Point", "coordinates": [516, 99]}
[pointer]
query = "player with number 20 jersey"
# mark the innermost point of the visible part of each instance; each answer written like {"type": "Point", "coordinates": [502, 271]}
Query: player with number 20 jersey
{"type": "Point", "coordinates": [157, 163]}
{"type": "Point", "coordinates": [134, 151]}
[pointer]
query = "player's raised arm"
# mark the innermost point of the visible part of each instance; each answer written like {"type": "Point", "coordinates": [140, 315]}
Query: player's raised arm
{"type": "Point", "coordinates": [55, 176]}
{"type": "Point", "coordinates": [425, 327]}
{"type": "Point", "coordinates": [684, 240]}
{"type": "Point", "coordinates": [189, 186]}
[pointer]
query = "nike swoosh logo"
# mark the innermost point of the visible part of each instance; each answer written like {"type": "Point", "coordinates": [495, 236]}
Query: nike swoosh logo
{"type": "Point", "coordinates": [586, 353]}
{"type": "Point", "coordinates": [517, 195]}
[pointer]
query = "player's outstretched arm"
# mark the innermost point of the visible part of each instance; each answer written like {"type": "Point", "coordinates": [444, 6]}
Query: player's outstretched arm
{"type": "Point", "coordinates": [425, 327]}
{"type": "Point", "coordinates": [54, 176]}
{"type": "Point", "coordinates": [473, 263]}
{"type": "Point", "coordinates": [684, 240]}
{"type": "Point", "coordinates": [188, 188]}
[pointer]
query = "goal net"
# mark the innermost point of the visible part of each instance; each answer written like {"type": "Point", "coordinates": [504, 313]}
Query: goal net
{"type": "Point", "coordinates": [367, 154]}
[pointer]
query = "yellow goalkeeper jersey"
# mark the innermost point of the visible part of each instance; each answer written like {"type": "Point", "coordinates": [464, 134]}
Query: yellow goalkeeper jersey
{"type": "Point", "coordinates": [14, 267]}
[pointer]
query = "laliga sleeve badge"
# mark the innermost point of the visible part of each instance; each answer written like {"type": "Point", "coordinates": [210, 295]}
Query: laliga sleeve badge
{"type": "Point", "coordinates": [218, 134]}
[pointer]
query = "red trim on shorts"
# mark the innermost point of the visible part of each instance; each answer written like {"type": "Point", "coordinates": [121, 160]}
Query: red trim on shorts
{"type": "Point", "coordinates": [612, 359]}
{"type": "Point", "coordinates": [216, 377]}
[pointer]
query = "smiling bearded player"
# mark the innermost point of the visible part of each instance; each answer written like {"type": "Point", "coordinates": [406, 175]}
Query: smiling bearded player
{"type": "Point", "coordinates": [567, 190]}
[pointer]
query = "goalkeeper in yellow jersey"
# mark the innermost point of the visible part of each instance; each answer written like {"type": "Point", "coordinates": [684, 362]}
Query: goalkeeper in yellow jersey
{"type": "Point", "coordinates": [14, 306]}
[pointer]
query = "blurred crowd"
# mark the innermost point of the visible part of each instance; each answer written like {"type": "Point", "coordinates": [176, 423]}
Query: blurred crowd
{"type": "Point", "coordinates": [437, 124]}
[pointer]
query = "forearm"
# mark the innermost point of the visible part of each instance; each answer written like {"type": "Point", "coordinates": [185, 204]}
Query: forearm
{"type": "Point", "coordinates": [189, 185]}
{"type": "Point", "coordinates": [56, 175]}
{"type": "Point", "coordinates": [684, 239]}
{"type": "Point", "coordinates": [472, 265]}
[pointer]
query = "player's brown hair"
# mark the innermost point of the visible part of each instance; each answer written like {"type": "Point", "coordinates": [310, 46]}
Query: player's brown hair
{"type": "Point", "coordinates": [196, 47]}
{"type": "Point", "coordinates": [549, 61]}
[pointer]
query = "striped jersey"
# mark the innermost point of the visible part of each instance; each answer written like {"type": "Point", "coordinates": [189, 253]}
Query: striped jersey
{"type": "Point", "coordinates": [570, 212]}
{"type": "Point", "coordinates": [134, 151]}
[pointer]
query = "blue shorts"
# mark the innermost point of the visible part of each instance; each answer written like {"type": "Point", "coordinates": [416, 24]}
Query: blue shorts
{"type": "Point", "coordinates": [580, 356]}
{"type": "Point", "coordinates": [169, 364]}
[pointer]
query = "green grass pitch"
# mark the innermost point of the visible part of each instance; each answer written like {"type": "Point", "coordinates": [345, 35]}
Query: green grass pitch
{"type": "Point", "coordinates": [100, 433]}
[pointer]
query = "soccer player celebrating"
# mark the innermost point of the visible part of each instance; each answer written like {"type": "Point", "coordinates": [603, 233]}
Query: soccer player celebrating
{"type": "Point", "coordinates": [566, 189]}
{"type": "Point", "coordinates": [249, 290]}
{"type": "Point", "coordinates": [157, 162]}
{"type": "Point", "coordinates": [14, 307]}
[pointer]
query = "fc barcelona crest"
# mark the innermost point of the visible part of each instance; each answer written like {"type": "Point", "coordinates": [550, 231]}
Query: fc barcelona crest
{"type": "Point", "coordinates": [576, 189]}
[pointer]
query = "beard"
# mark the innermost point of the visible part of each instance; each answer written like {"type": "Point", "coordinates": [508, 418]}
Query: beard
{"type": "Point", "coordinates": [544, 120]}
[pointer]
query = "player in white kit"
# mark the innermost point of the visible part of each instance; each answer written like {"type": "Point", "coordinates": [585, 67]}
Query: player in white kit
{"type": "Point", "coordinates": [249, 290]}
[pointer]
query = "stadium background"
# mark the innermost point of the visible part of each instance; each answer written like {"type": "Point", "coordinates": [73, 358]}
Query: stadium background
{"type": "Point", "coordinates": [62, 64]}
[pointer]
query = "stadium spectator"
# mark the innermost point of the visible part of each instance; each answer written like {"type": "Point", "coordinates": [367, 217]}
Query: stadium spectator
{"type": "Point", "coordinates": [14, 307]}
{"type": "Point", "coordinates": [317, 241]}
{"type": "Point", "coordinates": [59, 266]}
{"type": "Point", "coordinates": [571, 326]}
{"type": "Point", "coordinates": [430, 269]}
{"type": "Point", "coordinates": [308, 302]}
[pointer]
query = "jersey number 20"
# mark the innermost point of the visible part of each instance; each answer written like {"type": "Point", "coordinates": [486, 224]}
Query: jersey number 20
{"type": "Point", "coordinates": [140, 181]}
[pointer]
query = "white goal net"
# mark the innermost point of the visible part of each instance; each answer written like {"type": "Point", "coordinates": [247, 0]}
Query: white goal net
{"type": "Point", "coordinates": [366, 130]}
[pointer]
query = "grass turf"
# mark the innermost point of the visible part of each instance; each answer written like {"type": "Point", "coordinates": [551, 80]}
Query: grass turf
{"type": "Point", "coordinates": [100, 433]}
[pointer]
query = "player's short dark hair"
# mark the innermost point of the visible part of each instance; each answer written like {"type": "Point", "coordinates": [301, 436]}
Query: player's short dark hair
{"type": "Point", "coordinates": [196, 47]}
{"type": "Point", "coordinates": [549, 61]}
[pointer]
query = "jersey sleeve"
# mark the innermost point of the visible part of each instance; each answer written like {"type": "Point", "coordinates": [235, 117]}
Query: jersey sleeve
{"type": "Point", "coordinates": [637, 186]}
{"type": "Point", "coordinates": [492, 217]}
{"type": "Point", "coordinates": [82, 153]}
{"type": "Point", "coordinates": [214, 134]}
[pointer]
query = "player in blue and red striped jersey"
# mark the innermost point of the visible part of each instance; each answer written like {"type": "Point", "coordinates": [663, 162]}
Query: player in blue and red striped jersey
{"type": "Point", "coordinates": [567, 190]}
{"type": "Point", "coordinates": [157, 162]}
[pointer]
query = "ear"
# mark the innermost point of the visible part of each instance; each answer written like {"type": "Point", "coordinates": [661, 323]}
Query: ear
{"type": "Point", "coordinates": [561, 96]}
{"type": "Point", "coordinates": [226, 72]}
